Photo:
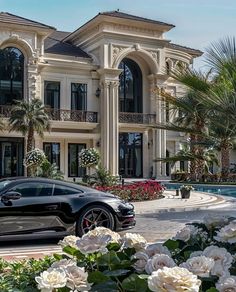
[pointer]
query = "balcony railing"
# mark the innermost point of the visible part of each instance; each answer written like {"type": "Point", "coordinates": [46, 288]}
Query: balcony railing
{"type": "Point", "coordinates": [72, 115]}
{"type": "Point", "coordinates": [137, 118]}
{"type": "Point", "coordinates": [59, 115]}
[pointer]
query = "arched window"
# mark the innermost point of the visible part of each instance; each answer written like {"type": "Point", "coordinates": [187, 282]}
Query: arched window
{"type": "Point", "coordinates": [11, 75]}
{"type": "Point", "coordinates": [130, 90]}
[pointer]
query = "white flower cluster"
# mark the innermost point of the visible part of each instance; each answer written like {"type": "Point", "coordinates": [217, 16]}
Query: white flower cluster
{"type": "Point", "coordinates": [34, 157]}
{"type": "Point", "coordinates": [165, 271]}
{"type": "Point", "coordinates": [89, 157]}
{"type": "Point", "coordinates": [64, 273]}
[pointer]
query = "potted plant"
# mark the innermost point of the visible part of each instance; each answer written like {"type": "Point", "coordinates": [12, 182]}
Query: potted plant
{"type": "Point", "coordinates": [185, 191]}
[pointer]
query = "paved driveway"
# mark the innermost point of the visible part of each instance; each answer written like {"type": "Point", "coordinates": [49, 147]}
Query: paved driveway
{"type": "Point", "coordinates": [154, 226]}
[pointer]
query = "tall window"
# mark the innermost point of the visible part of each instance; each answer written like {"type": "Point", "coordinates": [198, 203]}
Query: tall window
{"type": "Point", "coordinates": [11, 75]}
{"type": "Point", "coordinates": [130, 90]}
{"type": "Point", "coordinates": [74, 168]}
{"type": "Point", "coordinates": [52, 151]}
{"type": "Point", "coordinates": [78, 96]}
{"type": "Point", "coordinates": [52, 94]}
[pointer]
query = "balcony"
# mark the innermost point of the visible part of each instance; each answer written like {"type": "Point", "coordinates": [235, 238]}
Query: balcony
{"type": "Point", "coordinates": [59, 115]}
{"type": "Point", "coordinates": [137, 118]}
{"type": "Point", "coordinates": [72, 115]}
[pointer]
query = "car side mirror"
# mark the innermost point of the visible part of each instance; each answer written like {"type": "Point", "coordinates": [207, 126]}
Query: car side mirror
{"type": "Point", "coordinates": [11, 195]}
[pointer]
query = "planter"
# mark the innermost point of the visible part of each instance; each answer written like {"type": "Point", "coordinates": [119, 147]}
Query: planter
{"type": "Point", "coordinates": [185, 194]}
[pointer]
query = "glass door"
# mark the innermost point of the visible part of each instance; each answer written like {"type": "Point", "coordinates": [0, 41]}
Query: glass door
{"type": "Point", "coordinates": [130, 155]}
{"type": "Point", "coordinates": [11, 154]}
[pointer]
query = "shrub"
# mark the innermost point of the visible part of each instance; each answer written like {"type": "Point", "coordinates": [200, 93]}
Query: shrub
{"type": "Point", "coordinates": [139, 191]}
{"type": "Point", "coordinates": [49, 170]}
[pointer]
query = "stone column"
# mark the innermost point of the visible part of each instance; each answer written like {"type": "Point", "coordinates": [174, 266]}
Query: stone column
{"type": "Point", "coordinates": [105, 100]}
{"type": "Point", "coordinates": [114, 130]}
{"type": "Point", "coordinates": [163, 138]}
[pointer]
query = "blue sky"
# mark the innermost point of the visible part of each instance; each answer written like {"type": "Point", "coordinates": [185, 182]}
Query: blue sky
{"type": "Point", "coordinates": [198, 22]}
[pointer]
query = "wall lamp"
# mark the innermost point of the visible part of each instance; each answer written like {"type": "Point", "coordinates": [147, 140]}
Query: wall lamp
{"type": "Point", "coordinates": [98, 92]}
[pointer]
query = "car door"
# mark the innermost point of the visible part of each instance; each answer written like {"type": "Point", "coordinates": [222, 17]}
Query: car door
{"type": "Point", "coordinates": [66, 195]}
{"type": "Point", "coordinates": [33, 211]}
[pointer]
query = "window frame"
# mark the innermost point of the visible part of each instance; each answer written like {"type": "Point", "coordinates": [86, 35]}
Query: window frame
{"type": "Point", "coordinates": [77, 159]}
{"type": "Point", "coordinates": [77, 95]}
{"type": "Point", "coordinates": [51, 150]}
{"type": "Point", "coordinates": [46, 90]}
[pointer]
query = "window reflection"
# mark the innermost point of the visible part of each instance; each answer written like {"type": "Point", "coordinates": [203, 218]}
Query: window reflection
{"type": "Point", "coordinates": [11, 75]}
{"type": "Point", "coordinates": [130, 89]}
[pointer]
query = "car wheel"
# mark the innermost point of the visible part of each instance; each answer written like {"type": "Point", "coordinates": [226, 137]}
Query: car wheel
{"type": "Point", "coordinates": [92, 217]}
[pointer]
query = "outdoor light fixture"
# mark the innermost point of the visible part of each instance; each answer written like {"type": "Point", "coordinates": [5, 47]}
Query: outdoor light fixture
{"type": "Point", "coordinates": [98, 92]}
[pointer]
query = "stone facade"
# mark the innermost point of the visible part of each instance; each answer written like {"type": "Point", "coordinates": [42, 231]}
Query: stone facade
{"type": "Point", "coordinates": [92, 55]}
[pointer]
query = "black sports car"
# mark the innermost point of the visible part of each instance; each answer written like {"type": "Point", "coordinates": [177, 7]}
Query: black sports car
{"type": "Point", "coordinates": [46, 208]}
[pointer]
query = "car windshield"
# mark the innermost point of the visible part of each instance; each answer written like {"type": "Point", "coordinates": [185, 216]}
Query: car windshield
{"type": "Point", "coordinates": [4, 183]}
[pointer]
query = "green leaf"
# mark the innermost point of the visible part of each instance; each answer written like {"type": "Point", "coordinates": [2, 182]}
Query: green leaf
{"type": "Point", "coordinates": [116, 273]}
{"type": "Point", "coordinates": [74, 252]}
{"type": "Point", "coordinates": [109, 259]}
{"type": "Point", "coordinates": [113, 246]}
{"type": "Point", "coordinates": [109, 286]}
{"type": "Point", "coordinates": [212, 290]}
{"type": "Point", "coordinates": [97, 277]}
{"type": "Point", "coordinates": [135, 283]}
{"type": "Point", "coordinates": [171, 244]}
{"type": "Point", "coordinates": [58, 257]}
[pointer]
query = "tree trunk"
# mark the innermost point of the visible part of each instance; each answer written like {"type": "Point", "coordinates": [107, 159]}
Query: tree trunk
{"type": "Point", "coordinates": [193, 162]}
{"type": "Point", "coordinates": [200, 165]}
{"type": "Point", "coordinates": [30, 144]}
{"type": "Point", "coordinates": [225, 161]}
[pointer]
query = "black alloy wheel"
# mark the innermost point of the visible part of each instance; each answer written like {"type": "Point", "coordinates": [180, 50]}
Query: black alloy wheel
{"type": "Point", "coordinates": [92, 217]}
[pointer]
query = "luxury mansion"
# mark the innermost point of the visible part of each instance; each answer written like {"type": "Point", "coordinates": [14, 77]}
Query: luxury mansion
{"type": "Point", "coordinates": [100, 84]}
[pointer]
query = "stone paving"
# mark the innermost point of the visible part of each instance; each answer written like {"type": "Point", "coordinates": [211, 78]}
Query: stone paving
{"type": "Point", "coordinates": [157, 220]}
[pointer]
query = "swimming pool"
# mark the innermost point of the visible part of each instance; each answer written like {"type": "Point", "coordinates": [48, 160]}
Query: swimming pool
{"type": "Point", "coordinates": [215, 189]}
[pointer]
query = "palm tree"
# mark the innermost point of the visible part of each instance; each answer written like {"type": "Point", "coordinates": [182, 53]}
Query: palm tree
{"type": "Point", "coordinates": [190, 115]}
{"type": "Point", "coordinates": [29, 117]}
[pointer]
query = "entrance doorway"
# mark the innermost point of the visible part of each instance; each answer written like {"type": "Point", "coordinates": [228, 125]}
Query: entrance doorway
{"type": "Point", "coordinates": [131, 155]}
{"type": "Point", "coordinates": [11, 157]}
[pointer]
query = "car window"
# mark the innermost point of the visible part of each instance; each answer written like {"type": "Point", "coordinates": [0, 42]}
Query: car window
{"type": "Point", "coordinates": [60, 190]}
{"type": "Point", "coordinates": [4, 183]}
{"type": "Point", "coordinates": [33, 189]}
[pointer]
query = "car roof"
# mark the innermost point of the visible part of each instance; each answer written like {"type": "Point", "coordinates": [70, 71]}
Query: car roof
{"type": "Point", "coordinates": [15, 180]}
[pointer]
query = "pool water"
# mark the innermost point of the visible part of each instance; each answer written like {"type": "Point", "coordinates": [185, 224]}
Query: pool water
{"type": "Point", "coordinates": [219, 190]}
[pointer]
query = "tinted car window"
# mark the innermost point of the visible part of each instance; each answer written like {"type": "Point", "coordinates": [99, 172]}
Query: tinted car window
{"type": "Point", "coordinates": [33, 189]}
{"type": "Point", "coordinates": [62, 190]}
{"type": "Point", "coordinates": [4, 183]}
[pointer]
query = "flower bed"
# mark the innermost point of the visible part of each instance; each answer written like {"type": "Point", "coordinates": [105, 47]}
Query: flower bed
{"type": "Point", "coordinates": [139, 191]}
{"type": "Point", "coordinates": [201, 257]}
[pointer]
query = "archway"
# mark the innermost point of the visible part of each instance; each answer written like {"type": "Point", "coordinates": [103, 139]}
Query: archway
{"type": "Point", "coordinates": [131, 87]}
{"type": "Point", "coordinates": [11, 75]}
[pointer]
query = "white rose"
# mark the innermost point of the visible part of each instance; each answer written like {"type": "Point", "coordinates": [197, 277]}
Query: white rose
{"type": "Point", "coordinates": [227, 233]}
{"type": "Point", "coordinates": [115, 237]}
{"type": "Point", "coordinates": [77, 279]}
{"type": "Point", "coordinates": [69, 241]}
{"type": "Point", "coordinates": [226, 284]}
{"type": "Point", "coordinates": [159, 261]}
{"type": "Point", "coordinates": [64, 263]}
{"type": "Point", "coordinates": [133, 240]}
{"type": "Point", "coordinates": [173, 280]}
{"type": "Point", "coordinates": [90, 243]}
{"type": "Point", "coordinates": [141, 262]}
{"type": "Point", "coordinates": [200, 266]}
{"type": "Point", "coordinates": [222, 258]}
{"type": "Point", "coordinates": [51, 279]}
{"type": "Point", "coordinates": [186, 233]}
{"type": "Point", "coordinates": [196, 254]}
{"type": "Point", "coordinates": [156, 248]}
{"type": "Point", "coordinates": [212, 221]}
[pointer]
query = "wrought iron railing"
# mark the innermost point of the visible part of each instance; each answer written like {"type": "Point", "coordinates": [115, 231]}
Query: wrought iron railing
{"type": "Point", "coordinates": [59, 115]}
{"type": "Point", "coordinates": [137, 118]}
{"type": "Point", "coordinates": [72, 115]}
